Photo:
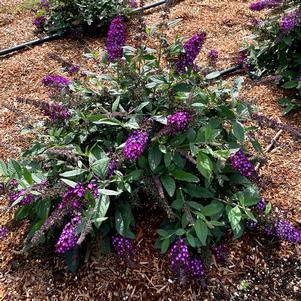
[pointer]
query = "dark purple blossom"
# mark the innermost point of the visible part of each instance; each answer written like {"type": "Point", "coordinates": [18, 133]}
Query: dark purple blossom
{"type": "Point", "coordinates": [69, 237]}
{"type": "Point", "coordinates": [289, 22]}
{"type": "Point", "coordinates": [123, 247]}
{"type": "Point", "coordinates": [241, 163]}
{"type": "Point", "coordinates": [179, 257]}
{"type": "Point", "coordinates": [220, 251]}
{"type": "Point", "coordinates": [192, 48]}
{"type": "Point", "coordinates": [263, 4]}
{"type": "Point", "coordinates": [55, 81]}
{"type": "Point", "coordinates": [299, 78]}
{"type": "Point", "coordinates": [74, 197]}
{"type": "Point", "coordinates": [116, 38]}
{"type": "Point", "coordinates": [213, 55]}
{"type": "Point", "coordinates": [72, 69]}
{"type": "Point", "coordinates": [39, 21]}
{"type": "Point", "coordinates": [181, 262]}
{"type": "Point", "coordinates": [3, 232]}
{"type": "Point", "coordinates": [261, 205]}
{"type": "Point", "coordinates": [197, 268]}
{"type": "Point", "coordinates": [286, 231]}
{"type": "Point", "coordinates": [55, 111]}
{"type": "Point", "coordinates": [178, 122]}
{"type": "Point", "coordinates": [133, 3]}
{"type": "Point", "coordinates": [135, 145]}
{"type": "Point", "coordinates": [112, 167]}
{"type": "Point", "coordinates": [25, 198]}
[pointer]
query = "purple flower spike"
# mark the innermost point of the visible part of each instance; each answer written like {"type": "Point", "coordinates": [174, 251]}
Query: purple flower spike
{"type": "Point", "coordinates": [55, 111]}
{"type": "Point", "coordinates": [116, 38]}
{"type": "Point", "coordinates": [26, 198]}
{"type": "Point", "coordinates": [55, 81]}
{"type": "Point", "coordinates": [290, 21]}
{"type": "Point", "coordinates": [112, 167]}
{"type": "Point", "coordinates": [197, 268]}
{"type": "Point", "coordinates": [263, 4]}
{"type": "Point", "coordinates": [192, 49]}
{"type": "Point", "coordinates": [135, 145]}
{"type": "Point", "coordinates": [39, 21]}
{"type": "Point", "coordinates": [74, 197]}
{"type": "Point", "coordinates": [3, 232]}
{"type": "Point", "coordinates": [178, 122]}
{"type": "Point", "coordinates": [220, 251]}
{"type": "Point", "coordinates": [68, 238]}
{"type": "Point", "coordinates": [241, 163]}
{"type": "Point", "coordinates": [286, 231]}
{"type": "Point", "coordinates": [179, 256]}
{"type": "Point", "coordinates": [123, 247]}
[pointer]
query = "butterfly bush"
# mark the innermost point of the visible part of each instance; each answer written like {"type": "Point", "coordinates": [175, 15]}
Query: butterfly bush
{"type": "Point", "coordinates": [145, 136]}
{"type": "Point", "coordinates": [274, 48]}
{"type": "Point", "coordinates": [62, 16]}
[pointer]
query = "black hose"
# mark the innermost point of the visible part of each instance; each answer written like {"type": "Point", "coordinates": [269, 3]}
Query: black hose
{"type": "Point", "coordinates": [31, 43]}
{"type": "Point", "coordinates": [217, 74]}
{"type": "Point", "coordinates": [57, 36]}
{"type": "Point", "coordinates": [146, 7]}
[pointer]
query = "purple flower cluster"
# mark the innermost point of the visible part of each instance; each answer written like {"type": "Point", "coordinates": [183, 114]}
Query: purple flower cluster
{"type": "Point", "coordinates": [74, 197]}
{"type": "Point", "coordinates": [3, 232]}
{"type": "Point", "coordinates": [55, 81]}
{"type": "Point", "coordinates": [112, 167]}
{"type": "Point", "coordinates": [263, 4]}
{"type": "Point", "coordinates": [192, 49]}
{"type": "Point", "coordinates": [182, 262]}
{"type": "Point", "coordinates": [178, 122]}
{"type": "Point", "coordinates": [123, 247]}
{"type": "Point", "coordinates": [26, 198]}
{"type": "Point", "coordinates": [55, 111]}
{"type": "Point", "coordinates": [213, 55]}
{"type": "Point", "coordinates": [286, 231]}
{"type": "Point", "coordinates": [220, 251]}
{"type": "Point", "coordinates": [133, 3]}
{"type": "Point", "coordinates": [39, 21]}
{"type": "Point", "coordinates": [261, 205]}
{"type": "Point", "coordinates": [116, 38]}
{"type": "Point", "coordinates": [68, 238]}
{"type": "Point", "coordinates": [241, 163]}
{"type": "Point", "coordinates": [72, 69]}
{"type": "Point", "coordinates": [135, 145]}
{"type": "Point", "coordinates": [289, 22]}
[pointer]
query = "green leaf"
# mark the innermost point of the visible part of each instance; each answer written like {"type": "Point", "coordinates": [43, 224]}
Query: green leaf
{"type": "Point", "coordinates": [72, 173]}
{"type": "Point", "coordinates": [249, 197]}
{"type": "Point", "coordinates": [205, 165]}
{"type": "Point", "coordinates": [180, 232]}
{"type": "Point", "coordinates": [42, 209]}
{"type": "Point", "coordinates": [69, 182]}
{"type": "Point", "coordinates": [268, 208]}
{"type": "Point", "coordinates": [162, 233]}
{"type": "Point", "coordinates": [191, 240]}
{"type": "Point", "coordinates": [3, 169]}
{"type": "Point", "coordinates": [167, 159]}
{"type": "Point", "coordinates": [238, 131]}
{"type": "Point", "coordinates": [72, 259]}
{"type": "Point", "coordinates": [169, 184]}
{"type": "Point", "coordinates": [182, 175]}
{"type": "Point", "coordinates": [165, 245]}
{"type": "Point", "coordinates": [196, 191]}
{"type": "Point", "coordinates": [109, 192]}
{"type": "Point", "coordinates": [290, 84]}
{"type": "Point", "coordinates": [201, 231]}
{"type": "Point", "coordinates": [212, 209]}
{"type": "Point", "coordinates": [154, 157]}
{"type": "Point", "coordinates": [234, 216]}
{"type": "Point", "coordinates": [27, 176]}
{"type": "Point", "coordinates": [119, 223]}
{"type": "Point", "coordinates": [100, 167]}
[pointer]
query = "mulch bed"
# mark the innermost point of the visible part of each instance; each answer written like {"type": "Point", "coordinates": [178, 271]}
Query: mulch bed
{"type": "Point", "coordinates": [256, 268]}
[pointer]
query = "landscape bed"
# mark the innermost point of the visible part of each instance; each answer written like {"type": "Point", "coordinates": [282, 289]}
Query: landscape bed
{"type": "Point", "coordinates": [151, 278]}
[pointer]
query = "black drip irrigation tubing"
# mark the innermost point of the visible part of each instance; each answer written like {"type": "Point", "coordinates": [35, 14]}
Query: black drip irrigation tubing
{"type": "Point", "coordinates": [58, 36]}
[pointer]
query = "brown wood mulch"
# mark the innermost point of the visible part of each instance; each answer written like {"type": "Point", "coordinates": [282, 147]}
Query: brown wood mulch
{"type": "Point", "coordinates": [256, 268]}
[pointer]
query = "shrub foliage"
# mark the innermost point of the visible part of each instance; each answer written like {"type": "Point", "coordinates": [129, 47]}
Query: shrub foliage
{"type": "Point", "coordinates": [140, 134]}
